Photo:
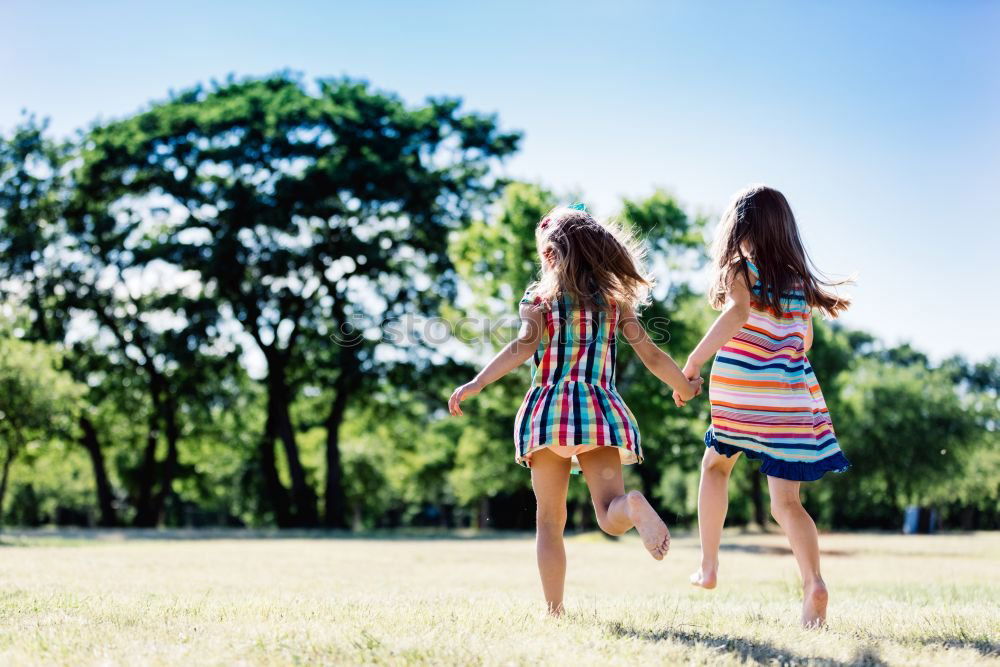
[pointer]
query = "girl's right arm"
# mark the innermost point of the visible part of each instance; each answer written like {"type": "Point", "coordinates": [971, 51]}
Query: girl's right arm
{"type": "Point", "coordinates": [656, 360]}
{"type": "Point", "coordinates": [510, 357]}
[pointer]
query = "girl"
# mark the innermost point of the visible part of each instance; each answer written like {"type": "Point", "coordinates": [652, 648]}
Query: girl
{"type": "Point", "coordinates": [766, 402]}
{"type": "Point", "coordinates": [572, 416]}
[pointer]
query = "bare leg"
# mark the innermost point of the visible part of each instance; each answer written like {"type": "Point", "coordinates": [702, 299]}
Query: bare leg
{"type": "Point", "coordinates": [802, 536]}
{"type": "Point", "coordinates": [549, 479]}
{"type": "Point", "coordinates": [616, 510]}
{"type": "Point", "coordinates": [713, 503]}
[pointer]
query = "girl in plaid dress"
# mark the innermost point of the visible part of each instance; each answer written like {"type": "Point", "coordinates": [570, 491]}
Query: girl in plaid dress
{"type": "Point", "coordinates": [573, 417]}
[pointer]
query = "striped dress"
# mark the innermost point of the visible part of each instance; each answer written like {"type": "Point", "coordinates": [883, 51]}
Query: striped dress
{"type": "Point", "coordinates": [572, 405]}
{"type": "Point", "coordinates": [766, 401]}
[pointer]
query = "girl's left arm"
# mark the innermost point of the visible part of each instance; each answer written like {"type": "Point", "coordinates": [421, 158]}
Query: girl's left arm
{"type": "Point", "coordinates": [510, 357]}
{"type": "Point", "coordinates": [809, 336]}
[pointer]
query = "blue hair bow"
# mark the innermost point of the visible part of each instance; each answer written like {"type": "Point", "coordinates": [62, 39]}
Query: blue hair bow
{"type": "Point", "coordinates": [578, 206]}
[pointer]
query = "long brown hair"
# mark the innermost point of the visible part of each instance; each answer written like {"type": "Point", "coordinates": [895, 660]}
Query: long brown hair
{"type": "Point", "coordinates": [759, 222]}
{"type": "Point", "coordinates": [593, 264]}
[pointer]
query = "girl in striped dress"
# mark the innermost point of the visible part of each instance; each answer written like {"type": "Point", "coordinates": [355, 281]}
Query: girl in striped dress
{"type": "Point", "coordinates": [573, 416]}
{"type": "Point", "coordinates": [766, 402]}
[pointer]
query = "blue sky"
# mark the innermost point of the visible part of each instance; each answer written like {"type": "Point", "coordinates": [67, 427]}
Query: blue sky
{"type": "Point", "coordinates": [879, 120]}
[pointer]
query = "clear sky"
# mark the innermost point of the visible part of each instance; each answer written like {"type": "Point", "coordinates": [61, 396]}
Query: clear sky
{"type": "Point", "coordinates": [879, 120]}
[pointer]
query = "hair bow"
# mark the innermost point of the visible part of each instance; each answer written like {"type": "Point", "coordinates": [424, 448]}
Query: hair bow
{"type": "Point", "coordinates": [578, 206]}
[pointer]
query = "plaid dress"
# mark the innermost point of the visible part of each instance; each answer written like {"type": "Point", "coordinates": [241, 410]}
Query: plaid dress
{"type": "Point", "coordinates": [572, 402]}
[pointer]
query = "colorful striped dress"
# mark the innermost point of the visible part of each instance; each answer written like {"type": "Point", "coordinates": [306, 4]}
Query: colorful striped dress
{"type": "Point", "coordinates": [766, 401]}
{"type": "Point", "coordinates": [572, 405]}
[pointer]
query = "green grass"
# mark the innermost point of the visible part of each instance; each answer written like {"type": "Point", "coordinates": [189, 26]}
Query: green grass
{"type": "Point", "coordinates": [110, 599]}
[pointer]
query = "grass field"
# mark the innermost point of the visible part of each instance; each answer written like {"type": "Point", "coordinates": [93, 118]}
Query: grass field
{"type": "Point", "coordinates": [107, 598]}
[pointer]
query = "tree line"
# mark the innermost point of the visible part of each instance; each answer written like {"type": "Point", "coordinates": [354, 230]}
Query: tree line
{"type": "Point", "coordinates": [196, 298]}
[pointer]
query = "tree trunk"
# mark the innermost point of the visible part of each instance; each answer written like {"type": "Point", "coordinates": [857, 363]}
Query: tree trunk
{"type": "Point", "coordinates": [276, 496]}
{"type": "Point", "coordinates": [757, 498]}
{"type": "Point", "coordinates": [335, 502]}
{"type": "Point", "coordinates": [483, 517]}
{"type": "Point", "coordinates": [105, 497]}
{"type": "Point", "coordinates": [298, 508]}
{"type": "Point", "coordinates": [348, 381]}
{"type": "Point", "coordinates": [145, 516]}
{"type": "Point", "coordinates": [303, 496]}
{"type": "Point", "coordinates": [8, 459]}
{"type": "Point", "coordinates": [169, 469]}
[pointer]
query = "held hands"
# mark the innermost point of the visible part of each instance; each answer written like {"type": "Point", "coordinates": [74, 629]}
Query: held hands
{"type": "Point", "coordinates": [467, 390]}
{"type": "Point", "coordinates": [685, 394]}
{"type": "Point", "coordinates": [695, 381]}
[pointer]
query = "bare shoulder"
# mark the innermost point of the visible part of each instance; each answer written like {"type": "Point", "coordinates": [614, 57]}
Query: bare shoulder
{"type": "Point", "coordinates": [739, 291]}
{"type": "Point", "coordinates": [631, 329]}
{"type": "Point", "coordinates": [532, 322]}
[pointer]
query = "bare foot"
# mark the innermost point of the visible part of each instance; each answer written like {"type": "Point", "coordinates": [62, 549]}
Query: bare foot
{"type": "Point", "coordinates": [555, 610]}
{"type": "Point", "coordinates": [705, 577]}
{"type": "Point", "coordinates": [814, 602]}
{"type": "Point", "coordinates": [652, 530]}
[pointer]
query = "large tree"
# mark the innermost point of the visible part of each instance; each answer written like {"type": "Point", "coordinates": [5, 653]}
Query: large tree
{"type": "Point", "coordinates": [32, 243]}
{"type": "Point", "coordinates": [300, 208]}
{"type": "Point", "coordinates": [70, 262]}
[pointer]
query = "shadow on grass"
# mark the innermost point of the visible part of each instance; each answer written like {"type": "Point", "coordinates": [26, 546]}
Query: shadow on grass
{"type": "Point", "coordinates": [747, 650]}
{"type": "Point", "coordinates": [987, 648]}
